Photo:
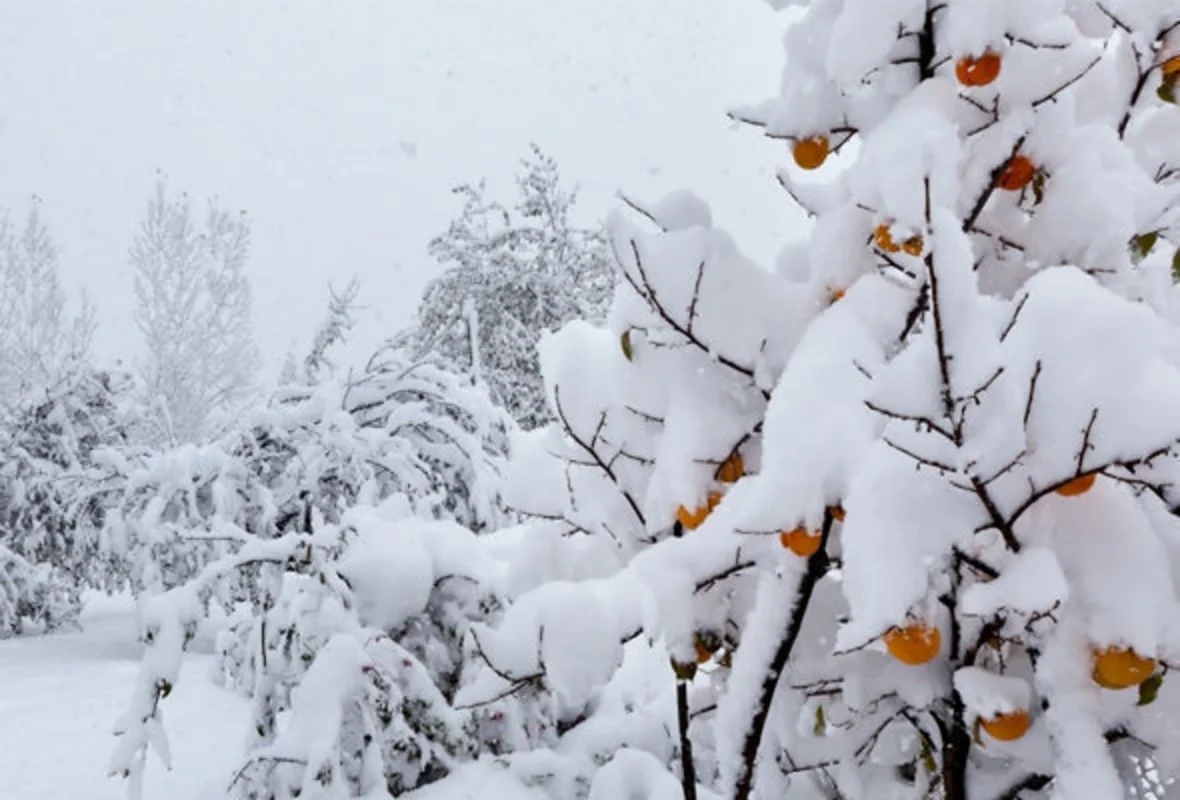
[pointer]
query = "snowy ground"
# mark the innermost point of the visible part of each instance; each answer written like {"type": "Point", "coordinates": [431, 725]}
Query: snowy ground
{"type": "Point", "coordinates": [60, 695]}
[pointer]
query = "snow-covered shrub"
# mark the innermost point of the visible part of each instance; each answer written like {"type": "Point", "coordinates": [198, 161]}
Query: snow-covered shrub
{"type": "Point", "coordinates": [360, 648]}
{"type": "Point", "coordinates": [508, 278]}
{"type": "Point", "coordinates": [338, 528]}
{"type": "Point", "coordinates": [402, 427]}
{"type": "Point", "coordinates": [900, 511]}
{"type": "Point", "coordinates": [55, 491]}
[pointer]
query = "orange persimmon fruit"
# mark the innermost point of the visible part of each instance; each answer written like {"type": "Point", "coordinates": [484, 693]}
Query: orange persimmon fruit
{"type": "Point", "coordinates": [884, 240]}
{"type": "Point", "coordinates": [731, 469]}
{"type": "Point", "coordinates": [812, 152]}
{"type": "Point", "coordinates": [1121, 668]}
{"type": "Point", "coordinates": [1017, 174]}
{"type": "Point", "coordinates": [914, 644]}
{"type": "Point", "coordinates": [978, 70]}
{"type": "Point", "coordinates": [801, 541]}
{"type": "Point", "coordinates": [1007, 727]}
{"type": "Point", "coordinates": [692, 520]}
{"type": "Point", "coordinates": [1077, 486]}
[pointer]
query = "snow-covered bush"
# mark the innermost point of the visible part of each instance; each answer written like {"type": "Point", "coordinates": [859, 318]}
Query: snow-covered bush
{"type": "Point", "coordinates": [55, 490]}
{"type": "Point", "coordinates": [508, 278]}
{"type": "Point", "coordinates": [338, 528]}
{"type": "Point", "coordinates": [899, 511]}
{"type": "Point", "coordinates": [402, 427]}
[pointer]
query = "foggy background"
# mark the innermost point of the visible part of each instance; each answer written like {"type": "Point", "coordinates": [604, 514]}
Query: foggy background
{"type": "Point", "coordinates": [341, 127]}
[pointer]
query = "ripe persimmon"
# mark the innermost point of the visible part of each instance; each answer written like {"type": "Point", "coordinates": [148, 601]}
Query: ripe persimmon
{"type": "Point", "coordinates": [731, 469]}
{"type": "Point", "coordinates": [1121, 668]}
{"type": "Point", "coordinates": [1017, 174]}
{"type": "Point", "coordinates": [837, 295]}
{"type": "Point", "coordinates": [812, 152]}
{"type": "Point", "coordinates": [1079, 485]}
{"type": "Point", "coordinates": [914, 245]}
{"type": "Point", "coordinates": [1007, 727]}
{"type": "Point", "coordinates": [978, 70]}
{"type": "Point", "coordinates": [837, 512]}
{"type": "Point", "coordinates": [883, 238]}
{"type": "Point", "coordinates": [914, 644]}
{"type": "Point", "coordinates": [1171, 67]}
{"type": "Point", "coordinates": [801, 541]}
{"type": "Point", "coordinates": [692, 520]}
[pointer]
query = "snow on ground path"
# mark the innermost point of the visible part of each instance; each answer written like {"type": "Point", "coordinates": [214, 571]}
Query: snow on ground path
{"type": "Point", "coordinates": [60, 696]}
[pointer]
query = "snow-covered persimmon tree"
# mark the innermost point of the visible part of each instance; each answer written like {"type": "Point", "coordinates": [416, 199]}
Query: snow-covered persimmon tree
{"type": "Point", "coordinates": [951, 570]}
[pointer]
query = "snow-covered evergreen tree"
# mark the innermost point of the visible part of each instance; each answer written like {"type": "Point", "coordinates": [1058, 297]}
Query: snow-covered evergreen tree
{"type": "Point", "coordinates": [338, 527]}
{"type": "Point", "coordinates": [900, 512]}
{"type": "Point", "coordinates": [193, 308]}
{"type": "Point", "coordinates": [508, 277]}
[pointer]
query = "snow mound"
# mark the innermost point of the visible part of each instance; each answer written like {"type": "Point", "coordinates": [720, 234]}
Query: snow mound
{"type": "Point", "coordinates": [390, 569]}
{"type": "Point", "coordinates": [1031, 582]}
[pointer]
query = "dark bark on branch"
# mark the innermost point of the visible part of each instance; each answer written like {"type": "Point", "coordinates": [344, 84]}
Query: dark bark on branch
{"type": "Point", "coordinates": [1033, 783]}
{"type": "Point", "coordinates": [817, 567]}
{"type": "Point", "coordinates": [688, 773]}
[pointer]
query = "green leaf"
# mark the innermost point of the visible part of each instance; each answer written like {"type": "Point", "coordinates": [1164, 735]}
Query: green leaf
{"type": "Point", "coordinates": [1038, 186]}
{"type": "Point", "coordinates": [625, 341]}
{"type": "Point", "coordinates": [1176, 265]}
{"type": "Point", "coordinates": [1142, 244]}
{"type": "Point", "coordinates": [977, 731]}
{"type": "Point", "coordinates": [928, 757]}
{"type": "Point", "coordinates": [821, 725]}
{"type": "Point", "coordinates": [1167, 92]}
{"type": "Point", "coordinates": [1150, 689]}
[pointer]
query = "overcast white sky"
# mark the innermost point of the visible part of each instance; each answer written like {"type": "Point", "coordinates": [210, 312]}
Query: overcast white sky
{"type": "Point", "coordinates": [341, 126]}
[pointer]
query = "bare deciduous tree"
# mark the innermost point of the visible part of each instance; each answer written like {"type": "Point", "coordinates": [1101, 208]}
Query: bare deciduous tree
{"type": "Point", "coordinates": [39, 340]}
{"type": "Point", "coordinates": [193, 307]}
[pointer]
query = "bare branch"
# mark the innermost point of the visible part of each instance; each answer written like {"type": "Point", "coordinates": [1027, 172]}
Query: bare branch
{"type": "Point", "coordinates": [1015, 316]}
{"type": "Point", "coordinates": [1032, 392]}
{"type": "Point", "coordinates": [1086, 446]}
{"type": "Point", "coordinates": [922, 423]}
{"type": "Point", "coordinates": [1052, 96]}
{"type": "Point", "coordinates": [590, 451]}
{"type": "Point", "coordinates": [649, 296]}
{"type": "Point", "coordinates": [921, 461]}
